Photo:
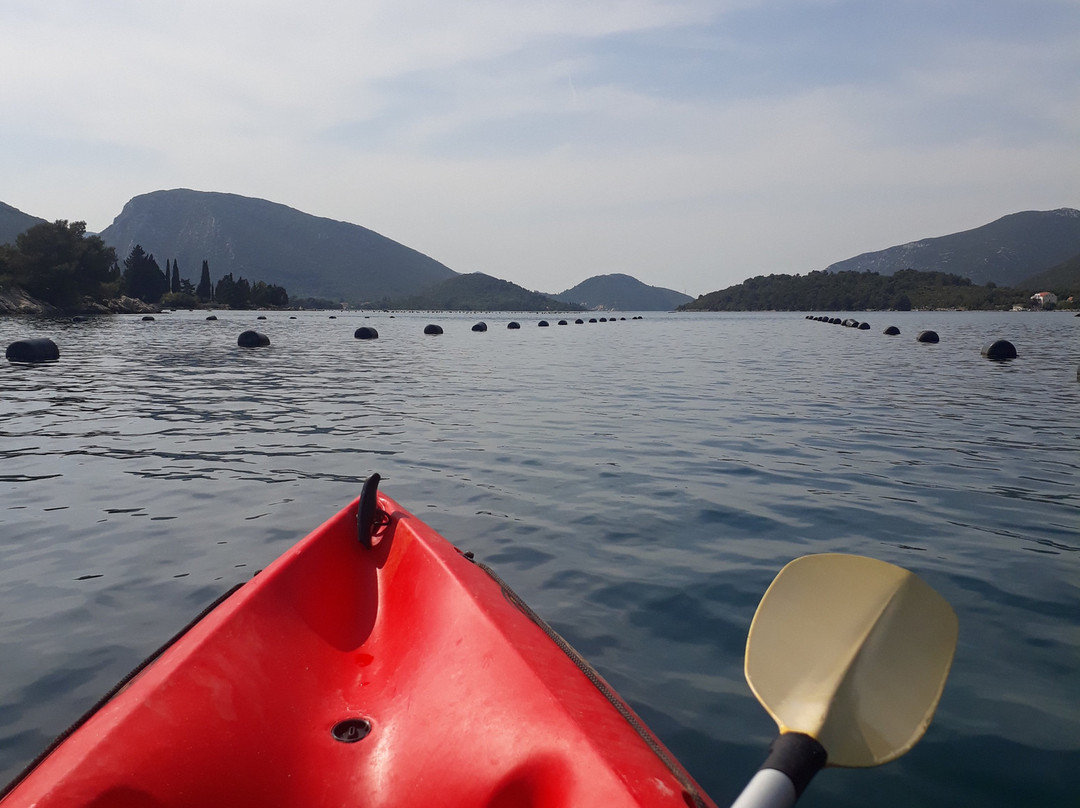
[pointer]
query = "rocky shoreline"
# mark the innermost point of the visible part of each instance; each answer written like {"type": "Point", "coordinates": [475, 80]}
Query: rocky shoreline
{"type": "Point", "coordinates": [18, 302]}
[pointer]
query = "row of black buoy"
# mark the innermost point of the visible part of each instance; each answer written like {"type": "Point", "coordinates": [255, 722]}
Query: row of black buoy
{"type": "Point", "coordinates": [998, 349]}
{"type": "Point", "coordinates": [432, 329]}
{"type": "Point", "coordinates": [43, 349]}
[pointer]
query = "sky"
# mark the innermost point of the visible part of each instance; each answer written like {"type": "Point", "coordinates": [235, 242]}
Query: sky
{"type": "Point", "coordinates": [689, 143]}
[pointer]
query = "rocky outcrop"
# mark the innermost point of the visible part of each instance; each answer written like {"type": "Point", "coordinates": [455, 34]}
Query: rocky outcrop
{"type": "Point", "coordinates": [120, 305]}
{"type": "Point", "coordinates": [17, 301]}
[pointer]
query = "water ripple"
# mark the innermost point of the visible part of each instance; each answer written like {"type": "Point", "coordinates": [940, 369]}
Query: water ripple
{"type": "Point", "coordinates": [639, 484]}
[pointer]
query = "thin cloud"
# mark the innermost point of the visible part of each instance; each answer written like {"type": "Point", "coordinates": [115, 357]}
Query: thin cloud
{"type": "Point", "coordinates": [690, 144]}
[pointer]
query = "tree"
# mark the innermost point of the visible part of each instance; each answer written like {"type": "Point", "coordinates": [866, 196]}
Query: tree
{"type": "Point", "coordinates": [58, 263]}
{"type": "Point", "coordinates": [174, 285]}
{"type": "Point", "coordinates": [233, 293]}
{"type": "Point", "coordinates": [142, 277]}
{"type": "Point", "coordinates": [205, 289]}
{"type": "Point", "coordinates": [263, 294]}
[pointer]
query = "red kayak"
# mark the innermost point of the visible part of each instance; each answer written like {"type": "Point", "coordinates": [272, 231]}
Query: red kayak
{"type": "Point", "coordinates": [373, 664]}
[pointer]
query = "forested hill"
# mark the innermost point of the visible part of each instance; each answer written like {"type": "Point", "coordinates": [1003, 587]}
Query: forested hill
{"type": "Point", "coordinates": [308, 255]}
{"type": "Point", "coordinates": [1061, 279]}
{"type": "Point", "coordinates": [479, 292]}
{"type": "Point", "coordinates": [1005, 251]}
{"type": "Point", "coordinates": [857, 291]}
{"type": "Point", "coordinates": [622, 293]}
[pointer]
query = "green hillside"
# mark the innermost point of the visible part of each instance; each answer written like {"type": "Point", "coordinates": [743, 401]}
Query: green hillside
{"type": "Point", "coordinates": [620, 292]}
{"type": "Point", "coordinates": [1005, 251]}
{"type": "Point", "coordinates": [479, 292]}
{"type": "Point", "coordinates": [857, 291]}
{"type": "Point", "coordinates": [1063, 279]}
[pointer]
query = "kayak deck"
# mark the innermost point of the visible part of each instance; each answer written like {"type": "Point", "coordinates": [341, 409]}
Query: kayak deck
{"type": "Point", "coordinates": [462, 697]}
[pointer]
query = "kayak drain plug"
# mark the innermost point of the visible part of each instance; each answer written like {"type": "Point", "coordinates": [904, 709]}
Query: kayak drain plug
{"type": "Point", "coordinates": [351, 730]}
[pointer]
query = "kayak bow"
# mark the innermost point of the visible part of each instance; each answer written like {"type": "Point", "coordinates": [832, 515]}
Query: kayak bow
{"type": "Point", "coordinates": [371, 665]}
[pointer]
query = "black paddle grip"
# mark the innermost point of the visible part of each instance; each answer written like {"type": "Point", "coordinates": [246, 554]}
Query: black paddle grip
{"type": "Point", "coordinates": [798, 756]}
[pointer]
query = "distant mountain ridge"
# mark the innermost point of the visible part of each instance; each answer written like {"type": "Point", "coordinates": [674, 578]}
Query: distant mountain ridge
{"type": "Point", "coordinates": [13, 222]}
{"type": "Point", "coordinates": [1006, 251]}
{"type": "Point", "coordinates": [308, 255]}
{"type": "Point", "coordinates": [622, 293]}
{"type": "Point", "coordinates": [479, 292]}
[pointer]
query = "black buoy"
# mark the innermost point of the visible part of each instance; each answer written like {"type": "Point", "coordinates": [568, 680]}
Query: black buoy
{"type": "Point", "coordinates": [999, 349]}
{"type": "Point", "coordinates": [928, 336]}
{"type": "Point", "coordinates": [579, 321]}
{"type": "Point", "coordinates": [366, 332]}
{"type": "Point", "coordinates": [835, 321]}
{"type": "Point", "coordinates": [592, 319]}
{"type": "Point", "coordinates": [78, 319]}
{"type": "Point", "coordinates": [252, 339]}
{"type": "Point", "coordinates": [864, 326]}
{"type": "Point", "coordinates": [891, 331]}
{"type": "Point", "coordinates": [292, 316]}
{"type": "Point", "coordinates": [38, 349]}
{"type": "Point", "coordinates": [562, 322]}
{"type": "Point", "coordinates": [603, 319]}
{"type": "Point", "coordinates": [212, 317]}
{"type": "Point", "coordinates": [261, 317]}
{"type": "Point", "coordinates": [433, 329]}
{"type": "Point", "coordinates": [480, 327]}
{"type": "Point", "coordinates": [148, 319]}
{"type": "Point", "coordinates": [333, 316]}
{"type": "Point", "coordinates": [543, 323]}
{"type": "Point", "coordinates": [513, 324]}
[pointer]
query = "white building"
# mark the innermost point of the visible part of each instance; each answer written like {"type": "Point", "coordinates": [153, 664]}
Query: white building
{"type": "Point", "coordinates": [1043, 299]}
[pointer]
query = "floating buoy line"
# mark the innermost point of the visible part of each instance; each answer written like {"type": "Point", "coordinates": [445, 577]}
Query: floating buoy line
{"type": "Point", "coordinates": [42, 349]}
{"type": "Point", "coordinates": [997, 350]}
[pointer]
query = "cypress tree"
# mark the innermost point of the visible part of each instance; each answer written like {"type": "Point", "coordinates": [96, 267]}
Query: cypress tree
{"type": "Point", "coordinates": [175, 285]}
{"type": "Point", "coordinates": [143, 277]}
{"type": "Point", "coordinates": [205, 289]}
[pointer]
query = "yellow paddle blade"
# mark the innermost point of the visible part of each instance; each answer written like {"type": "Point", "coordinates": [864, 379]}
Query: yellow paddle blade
{"type": "Point", "coordinates": [853, 652]}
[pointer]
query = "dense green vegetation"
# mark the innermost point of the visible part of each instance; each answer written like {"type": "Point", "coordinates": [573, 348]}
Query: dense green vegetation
{"type": "Point", "coordinates": [59, 264]}
{"type": "Point", "coordinates": [858, 291]}
{"type": "Point", "coordinates": [480, 292]}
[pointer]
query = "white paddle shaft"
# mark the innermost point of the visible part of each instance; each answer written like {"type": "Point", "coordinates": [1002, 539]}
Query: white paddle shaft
{"type": "Point", "coordinates": [768, 788]}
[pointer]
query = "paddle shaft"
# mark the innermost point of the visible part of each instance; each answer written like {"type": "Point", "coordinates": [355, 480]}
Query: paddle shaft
{"type": "Point", "coordinates": [794, 758]}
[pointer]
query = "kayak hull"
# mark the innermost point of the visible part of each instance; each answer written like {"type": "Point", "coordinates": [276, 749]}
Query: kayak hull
{"type": "Point", "coordinates": [461, 695]}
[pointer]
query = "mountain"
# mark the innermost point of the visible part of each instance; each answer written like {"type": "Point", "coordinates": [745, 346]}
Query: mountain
{"type": "Point", "coordinates": [622, 293]}
{"type": "Point", "coordinates": [260, 240]}
{"type": "Point", "coordinates": [13, 222]}
{"type": "Point", "coordinates": [479, 292]}
{"type": "Point", "coordinates": [1006, 251]}
{"type": "Point", "coordinates": [1063, 279]}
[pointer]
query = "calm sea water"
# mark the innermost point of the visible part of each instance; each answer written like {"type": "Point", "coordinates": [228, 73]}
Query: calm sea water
{"type": "Point", "coordinates": [638, 482]}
